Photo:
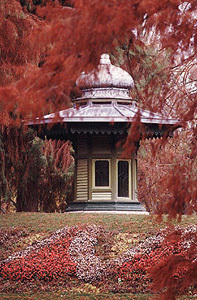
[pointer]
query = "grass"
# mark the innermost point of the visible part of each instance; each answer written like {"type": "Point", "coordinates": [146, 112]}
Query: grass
{"type": "Point", "coordinates": [40, 225]}
{"type": "Point", "coordinates": [69, 296]}
{"type": "Point", "coordinates": [47, 223]}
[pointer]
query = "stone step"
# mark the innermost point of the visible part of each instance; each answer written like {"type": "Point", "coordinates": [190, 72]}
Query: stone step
{"type": "Point", "coordinates": [105, 206]}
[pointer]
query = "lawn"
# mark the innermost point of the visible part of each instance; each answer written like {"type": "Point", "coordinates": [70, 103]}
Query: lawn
{"type": "Point", "coordinates": [49, 222]}
{"type": "Point", "coordinates": [70, 296]}
{"type": "Point", "coordinates": [18, 231]}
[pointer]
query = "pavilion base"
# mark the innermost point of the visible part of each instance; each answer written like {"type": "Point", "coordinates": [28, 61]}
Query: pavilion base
{"type": "Point", "coordinates": [105, 206]}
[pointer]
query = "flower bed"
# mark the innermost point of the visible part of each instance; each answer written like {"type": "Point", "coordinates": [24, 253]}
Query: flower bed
{"type": "Point", "coordinates": [74, 252]}
{"type": "Point", "coordinates": [44, 260]}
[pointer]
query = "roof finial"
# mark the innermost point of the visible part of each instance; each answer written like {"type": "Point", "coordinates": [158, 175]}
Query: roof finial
{"type": "Point", "coordinates": [105, 59]}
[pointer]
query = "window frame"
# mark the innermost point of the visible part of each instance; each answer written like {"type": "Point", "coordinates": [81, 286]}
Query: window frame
{"type": "Point", "coordinates": [106, 187]}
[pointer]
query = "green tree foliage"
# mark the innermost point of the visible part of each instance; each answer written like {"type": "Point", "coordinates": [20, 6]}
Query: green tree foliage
{"type": "Point", "coordinates": [4, 190]}
{"type": "Point", "coordinates": [57, 177]}
{"type": "Point", "coordinates": [35, 174]}
{"type": "Point", "coordinates": [151, 70]}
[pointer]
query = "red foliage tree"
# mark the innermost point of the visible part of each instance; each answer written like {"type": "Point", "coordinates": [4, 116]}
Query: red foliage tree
{"type": "Point", "coordinates": [52, 46]}
{"type": "Point", "coordinates": [46, 44]}
{"type": "Point", "coordinates": [167, 174]}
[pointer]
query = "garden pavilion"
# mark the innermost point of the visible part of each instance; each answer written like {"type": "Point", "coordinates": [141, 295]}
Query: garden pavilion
{"type": "Point", "coordinates": [98, 121]}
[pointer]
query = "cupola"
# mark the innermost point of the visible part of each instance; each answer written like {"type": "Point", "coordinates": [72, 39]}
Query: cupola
{"type": "Point", "coordinates": [105, 82]}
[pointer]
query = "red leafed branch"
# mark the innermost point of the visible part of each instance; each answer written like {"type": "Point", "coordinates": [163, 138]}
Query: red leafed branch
{"type": "Point", "coordinates": [53, 45]}
{"type": "Point", "coordinates": [173, 275]}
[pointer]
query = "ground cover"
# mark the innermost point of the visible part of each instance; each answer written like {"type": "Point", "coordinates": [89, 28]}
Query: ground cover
{"type": "Point", "coordinates": [84, 255]}
{"type": "Point", "coordinates": [68, 296]}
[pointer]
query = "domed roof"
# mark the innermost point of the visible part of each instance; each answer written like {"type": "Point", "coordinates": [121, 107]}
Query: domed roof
{"type": "Point", "coordinates": [106, 75]}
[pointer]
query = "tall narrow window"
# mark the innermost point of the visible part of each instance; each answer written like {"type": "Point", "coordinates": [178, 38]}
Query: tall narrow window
{"type": "Point", "coordinates": [123, 178]}
{"type": "Point", "coordinates": [101, 173]}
